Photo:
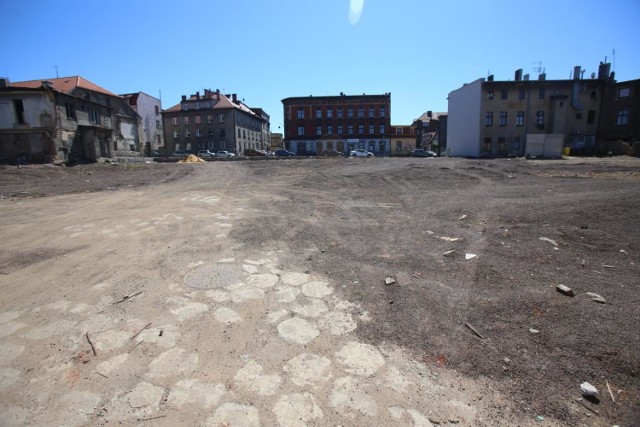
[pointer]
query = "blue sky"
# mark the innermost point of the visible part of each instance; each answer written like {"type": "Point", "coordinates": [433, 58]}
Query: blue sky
{"type": "Point", "coordinates": [267, 50]}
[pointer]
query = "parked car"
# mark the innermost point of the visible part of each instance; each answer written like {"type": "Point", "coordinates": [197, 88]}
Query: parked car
{"type": "Point", "coordinates": [421, 152]}
{"type": "Point", "coordinates": [359, 152]}
{"type": "Point", "coordinates": [255, 153]}
{"type": "Point", "coordinates": [206, 153]}
{"type": "Point", "coordinates": [332, 153]}
{"type": "Point", "coordinates": [224, 154]}
{"type": "Point", "coordinates": [180, 153]}
{"type": "Point", "coordinates": [284, 153]}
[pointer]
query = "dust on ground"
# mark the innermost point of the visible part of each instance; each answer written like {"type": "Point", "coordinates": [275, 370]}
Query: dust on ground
{"type": "Point", "coordinates": [253, 292]}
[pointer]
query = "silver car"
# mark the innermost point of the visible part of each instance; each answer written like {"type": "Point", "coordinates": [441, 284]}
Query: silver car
{"type": "Point", "coordinates": [224, 153]}
{"type": "Point", "coordinates": [361, 153]}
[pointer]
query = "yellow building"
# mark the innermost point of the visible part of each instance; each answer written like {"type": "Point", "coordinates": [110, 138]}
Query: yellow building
{"type": "Point", "coordinates": [403, 139]}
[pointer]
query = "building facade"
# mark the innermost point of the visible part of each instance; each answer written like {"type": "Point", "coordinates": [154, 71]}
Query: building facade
{"type": "Point", "coordinates": [67, 119]}
{"type": "Point", "coordinates": [403, 139]}
{"type": "Point", "coordinates": [214, 121]}
{"type": "Point", "coordinates": [151, 132]}
{"type": "Point", "coordinates": [342, 123]}
{"type": "Point", "coordinates": [526, 117]}
{"type": "Point", "coordinates": [619, 125]}
{"type": "Point", "coordinates": [277, 142]}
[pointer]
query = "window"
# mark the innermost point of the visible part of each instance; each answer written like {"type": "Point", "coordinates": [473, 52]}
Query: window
{"type": "Point", "coordinates": [210, 133]}
{"type": "Point", "coordinates": [624, 92]}
{"type": "Point", "coordinates": [86, 96]}
{"type": "Point", "coordinates": [157, 124]}
{"type": "Point", "coordinates": [501, 145]}
{"type": "Point", "coordinates": [520, 118]}
{"type": "Point", "coordinates": [490, 94]}
{"type": "Point", "coordinates": [157, 110]}
{"type": "Point", "coordinates": [176, 133]}
{"type": "Point", "coordinates": [239, 133]}
{"type": "Point", "coordinates": [329, 113]}
{"type": "Point", "coordinates": [222, 132]}
{"type": "Point", "coordinates": [360, 129]}
{"type": "Point", "coordinates": [399, 146]}
{"type": "Point", "coordinates": [350, 129]}
{"type": "Point", "coordinates": [318, 130]}
{"type": "Point", "coordinates": [94, 117]}
{"type": "Point", "coordinates": [591, 117]}
{"type": "Point", "coordinates": [372, 129]}
{"type": "Point", "coordinates": [382, 112]}
{"type": "Point", "coordinates": [504, 93]}
{"type": "Point", "coordinates": [185, 107]}
{"type": "Point", "coordinates": [541, 94]}
{"type": "Point", "coordinates": [198, 132]}
{"type": "Point", "coordinates": [371, 112]}
{"type": "Point", "coordinates": [339, 129]}
{"type": "Point", "coordinates": [521, 93]}
{"type": "Point", "coordinates": [361, 112]}
{"type": "Point", "coordinates": [372, 146]}
{"type": "Point", "coordinates": [71, 113]}
{"type": "Point", "coordinates": [318, 114]}
{"type": "Point", "coordinates": [540, 118]}
{"type": "Point", "coordinates": [350, 112]}
{"type": "Point", "coordinates": [174, 121]}
{"type": "Point", "coordinates": [220, 118]}
{"type": "Point", "coordinates": [197, 106]}
{"type": "Point", "coordinates": [339, 113]}
{"type": "Point", "coordinates": [300, 113]}
{"type": "Point", "coordinates": [329, 130]}
{"type": "Point", "coordinates": [516, 143]}
{"type": "Point", "coordinates": [185, 120]}
{"type": "Point", "coordinates": [300, 130]}
{"type": "Point", "coordinates": [622, 119]}
{"type": "Point", "coordinates": [197, 120]}
{"type": "Point", "coordinates": [381, 129]}
{"type": "Point", "coordinates": [487, 144]}
{"type": "Point", "coordinates": [488, 118]}
{"type": "Point", "coordinates": [398, 131]}
{"type": "Point", "coordinates": [19, 108]}
{"type": "Point", "coordinates": [502, 120]}
{"type": "Point", "coordinates": [187, 133]}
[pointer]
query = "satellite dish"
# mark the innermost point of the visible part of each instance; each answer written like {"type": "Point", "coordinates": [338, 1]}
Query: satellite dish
{"type": "Point", "coordinates": [593, 75]}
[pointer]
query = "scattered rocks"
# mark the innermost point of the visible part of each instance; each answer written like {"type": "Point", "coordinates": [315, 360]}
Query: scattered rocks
{"type": "Point", "coordinates": [565, 290]}
{"type": "Point", "coordinates": [389, 281]}
{"type": "Point", "coordinates": [597, 298]}
{"type": "Point", "coordinates": [470, 256]}
{"type": "Point", "coordinates": [588, 390]}
{"type": "Point", "coordinates": [534, 331]}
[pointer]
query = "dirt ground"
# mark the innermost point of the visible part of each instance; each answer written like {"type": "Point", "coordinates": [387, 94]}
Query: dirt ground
{"type": "Point", "coordinates": [253, 293]}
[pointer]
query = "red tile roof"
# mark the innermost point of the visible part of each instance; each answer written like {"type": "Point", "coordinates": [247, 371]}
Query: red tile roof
{"type": "Point", "coordinates": [65, 85]}
{"type": "Point", "coordinates": [223, 103]}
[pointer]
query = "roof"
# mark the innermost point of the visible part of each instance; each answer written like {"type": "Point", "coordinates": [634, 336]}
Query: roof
{"type": "Point", "coordinates": [132, 98]}
{"type": "Point", "coordinates": [65, 85]}
{"type": "Point", "coordinates": [334, 97]}
{"type": "Point", "coordinates": [223, 103]}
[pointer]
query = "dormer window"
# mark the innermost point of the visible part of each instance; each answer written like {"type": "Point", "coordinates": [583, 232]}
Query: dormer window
{"type": "Point", "coordinates": [185, 106]}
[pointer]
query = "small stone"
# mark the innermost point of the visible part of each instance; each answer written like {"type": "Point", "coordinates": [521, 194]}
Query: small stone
{"type": "Point", "coordinates": [507, 360]}
{"type": "Point", "coordinates": [534, 331]}
{"type": "Point", "coordinates": [597, 298]}
{"type": "Point", "coordinates": [539, 418]}
{"type": "Point", "coordinates": [565, 290]}
{"type": "Point", "coordinates": [470, 256]}
{"type": "Point", "coordinates": [389, 281]}
{"type": "Point", "coordinates": [588, 390]}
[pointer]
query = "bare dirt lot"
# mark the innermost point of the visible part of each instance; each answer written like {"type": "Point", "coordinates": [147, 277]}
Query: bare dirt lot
{"type": "Point", "coordinates": [253, 293]}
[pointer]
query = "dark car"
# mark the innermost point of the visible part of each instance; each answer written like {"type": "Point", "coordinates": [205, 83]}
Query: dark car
{"type": "Point", "coordinates": [284, 153]}
{"type": "Point", "coordinates": [421, 152]}
{"type": "Point", "coordinates": [255, 153]}
{"type": "Point", "coordinates": [332, 153]}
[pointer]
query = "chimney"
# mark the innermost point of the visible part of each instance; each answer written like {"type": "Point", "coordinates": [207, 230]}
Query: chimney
{"type": "Point", "coordinates": [518, 75]}
{"type": "Point", "coordinates": [490, 78]}
{"type": "Point", "coordinates": [234, 97]}
{"type": "Point", "coordinates": [542, 76]}
{"type": "Point", "coordinates": [218, 94]}
{"type": "Point", "coordinates": [576, 72]}
{"type": "Point", "coordinates": [198, 95]}
{"type": "Point", "coordinates": [4, 82]}
{"type": "Point", "coordinates": [526, 77]}
{"type": "Point", "coordinates": [604, 70]}
{"type": "Point", "coordinates": [184, 97]}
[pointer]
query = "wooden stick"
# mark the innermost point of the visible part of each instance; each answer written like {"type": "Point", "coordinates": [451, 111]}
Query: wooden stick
{"type": "Point", "coordinates": [138, 333]}
{"type": "Point", "coordinates": [102, 375]}
{"type": "Point", "coordinates": [587, 407]}
{"type": "Point", "coordinates": [610, 393]}
{"type": "Point", "coordinates": [152, 418]}
{"type": "Point", "coordinates": [91, 344]}
{"type": "Point", "coordinates": [128, 297]}
{"type": "Point", "coordinates": [474, 330]}
{"type": "Point", "coordinates": [417, 276]}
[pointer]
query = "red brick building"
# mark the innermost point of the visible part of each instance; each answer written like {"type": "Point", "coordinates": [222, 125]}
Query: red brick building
{"type": "Point", "coordinates": [342, 123]}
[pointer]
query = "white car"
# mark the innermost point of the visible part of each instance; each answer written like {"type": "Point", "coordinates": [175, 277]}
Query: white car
{"type": "Point", "coordinates": [360, 153]}
{"type": "Point", "coordinates": [224, 153]}
{"type": "Point", "coordinates": [206, 153]}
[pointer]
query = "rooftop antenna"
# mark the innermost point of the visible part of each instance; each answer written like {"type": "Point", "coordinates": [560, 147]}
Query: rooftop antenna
{"type": "Point", "coordinates": [538, 69]}
{"type": "Point", "coordinates": [56, 67]}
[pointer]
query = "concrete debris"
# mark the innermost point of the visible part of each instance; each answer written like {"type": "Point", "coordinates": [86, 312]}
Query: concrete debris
{"type": "Point", "coordinates": [470, 256]}
{"type": "Point", "coordinates": [565, 290]}
{"type": "Point", "coordinates": [534, 331]}
{"type": "Point", "coordinates": [624, 252]}
{"type": "Point", "coordinates": [607, 266]}
{"type": "Point", "coordinates": [449, 239]}
{"type": "Point", "coordinates": [449, 253]}
{"type": "Point", "coordinates": [539, 418]}
{"type": "Point", "coordinates": [583, 263]}
{"type": "Point", "coordinates": [597, 298]}
{"type": "Point", "coordinates": [462, 217]}
{"type": "Point", "coordinates": [588, 390]}
{"type": "Point", "coordinates": [546, 239]}
{"type": "Point", "coordinates": [389, 281]}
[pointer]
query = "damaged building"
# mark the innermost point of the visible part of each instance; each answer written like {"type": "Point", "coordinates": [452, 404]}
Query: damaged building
{"type": "Point", "coordinates": [69, 119]}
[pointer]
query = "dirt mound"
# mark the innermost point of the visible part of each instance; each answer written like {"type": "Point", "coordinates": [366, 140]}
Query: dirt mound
{"type": "Point", "coordinates": [191, 158]}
